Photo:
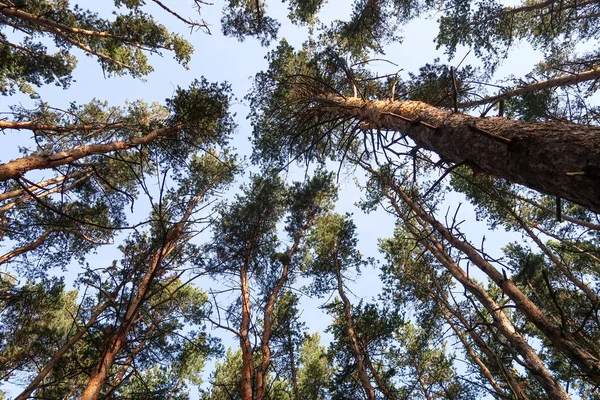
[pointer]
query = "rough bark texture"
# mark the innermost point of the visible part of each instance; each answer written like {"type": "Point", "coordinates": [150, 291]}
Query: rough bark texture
{"type": "Point", "coordinates": [557, 158]}
{"type": "Point", "coordinates": [501, 321]}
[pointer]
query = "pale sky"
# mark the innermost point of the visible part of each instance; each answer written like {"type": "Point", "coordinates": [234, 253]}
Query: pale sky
{"type": "Point", "coordinates": [225, 59]}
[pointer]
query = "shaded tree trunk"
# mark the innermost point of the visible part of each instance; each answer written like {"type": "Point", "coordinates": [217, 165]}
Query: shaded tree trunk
{"type": "Point", "coordinates": [352, 339]}
{"type": "Point", "coordinates": [501, 321]}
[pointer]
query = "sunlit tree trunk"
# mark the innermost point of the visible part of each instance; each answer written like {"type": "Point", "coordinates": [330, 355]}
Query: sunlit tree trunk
{"type": "Point", "coordinates": [558, 158]}
{"type": "Point", "coordinates": [576, 350]}
{"type": "Point", "coordinates": [245, 344]}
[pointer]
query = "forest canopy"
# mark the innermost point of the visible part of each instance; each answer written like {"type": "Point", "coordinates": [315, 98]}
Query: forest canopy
{"type": "Point", "coordinates": [216, 258]}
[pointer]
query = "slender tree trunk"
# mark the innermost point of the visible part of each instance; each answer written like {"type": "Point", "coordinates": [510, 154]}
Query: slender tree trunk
{"type": "Point", "coordinates": [43, 185]}
{"type": "Point", "coordinates": [58, 355]}
{"type": "Point", "coordinates": [261, 371]}
{"type": "Point", "coordinates": [121, 374]}
{"type": "Point", "coordinates": [508, 377]}
{"type": "Point", "coordinates": [16, 168]}
{"type": "Point", "coordinates": [117, 339]}
{"type": "Point", "coordinates": [577, 221]}
{"type": "Point", "coordinates": [561, 339]}
{"type": "Point", "coordinates": [502, 322]}
{"type": "Point", "coordinates": [293, 366]}
{"type": "Point", "coordinates": [265, 348]}
{"type": "Point", "coordinates": [245, 344]}
{"type": "Point", "coordinates": [28, 247]}
{"type": "Point", "coordinates": [360, 365]}
{"type": "Point", "coordinates": [557, 158]}
{"type": "Point", "coordinates": [471, 353]}
{"type": "Point", "coordinates": [570, 79]}
{"type": "Point", "coordinates": [441, 299]}
{"type": "Point", "coordinates": [381, 385]}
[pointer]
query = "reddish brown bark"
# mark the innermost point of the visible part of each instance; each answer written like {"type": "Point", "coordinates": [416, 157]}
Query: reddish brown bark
{"type": "Point", "coordinates": [115, 342]}
{"type": "Point", "coordinates": [261, 370]}
{"type": "Point", "coordinates": [557, 158]}
{"type": "Point", "coordinates": [28, 247]}
{"type": "Point", "coordinates": [16, 168]}
{"type": "Point", "coordinates": [502, 322]}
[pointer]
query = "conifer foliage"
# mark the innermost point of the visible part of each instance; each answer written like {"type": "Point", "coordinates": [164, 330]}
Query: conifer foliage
{"type": "Point", "coordinates": [456, 318]}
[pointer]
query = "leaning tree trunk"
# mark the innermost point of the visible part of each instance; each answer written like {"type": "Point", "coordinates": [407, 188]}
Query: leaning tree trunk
{"type": "Point", "coordinates": [352, 339]}
{"type": "Point", "coordinates": [557, 158]}
{"type": "Point", "coordinates": [564, 342]}
{"type": "Point", "coordinates": [117, 340]}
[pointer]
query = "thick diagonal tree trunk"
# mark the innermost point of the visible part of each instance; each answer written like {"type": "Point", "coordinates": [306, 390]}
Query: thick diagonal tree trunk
{"type": "Point", "coordinates": [556, 158]}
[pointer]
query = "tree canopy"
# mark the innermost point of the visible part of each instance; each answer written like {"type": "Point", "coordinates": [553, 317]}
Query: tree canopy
{"type": "Point", "coordinates": [206, 245]}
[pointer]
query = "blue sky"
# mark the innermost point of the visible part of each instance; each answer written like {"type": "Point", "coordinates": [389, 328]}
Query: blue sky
{"type": "Point", "coordinates": [225, 59]}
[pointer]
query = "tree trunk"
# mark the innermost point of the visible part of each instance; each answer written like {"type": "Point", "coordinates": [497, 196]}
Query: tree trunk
{"type": "Point", "coordinates": [50, 365]}
{"type": "Point", "coordinates": [261, 371]}
{"type": "Point", "coordinates": [245, 345]}
{"type": "Point", "coordinates": [18, 167]}
{"type": "Point", "coordinates": [562, 340]}
{"type": "Point", "coordinates": [569, 79]}
{"type": "Point", "coordinates": [501, 321]}
{"type": "Point", "coordinates": [557, 158]}
{"type": "Point", "coordinates": [360, 365]}
{"type": "Point", "coordinates": [293, 366]}
{"type": "Point", "coordinates": [118, 338]}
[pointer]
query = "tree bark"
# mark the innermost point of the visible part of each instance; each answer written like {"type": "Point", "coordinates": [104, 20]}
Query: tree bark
{"type": "Point", "coordinates": [115, 342]}
{"type": "Point", "coordinates": [561, 339]}
{"type": "Point", "coordinates": [261, 371]}
{"type": "Point", "coordinates": [293, 367]}
{"type": "Point", "coordinates": [558, 158]}
{"type": "Point", "coordinates": [502, 322]}
{"type": "Point", "coordinates": [245, 344]}
{"type": "Point", "coordinates": [440, 297]}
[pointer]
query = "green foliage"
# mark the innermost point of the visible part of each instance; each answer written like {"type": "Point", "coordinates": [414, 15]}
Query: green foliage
{"type": "Point", "coordinates": [270, 226]}
{"type": "Point", "coordinates": [333, 251]}
{"type": "Point", "coordinates": [243, 18]}
{"type": "Point", "coordinates": [316, 371]}
{"type": "Point", "coordinates": [119, 44]}
{"type": "Point", "coordinates": [304, 11]}
{"type": "Point", "coordinates": [34, 318]}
